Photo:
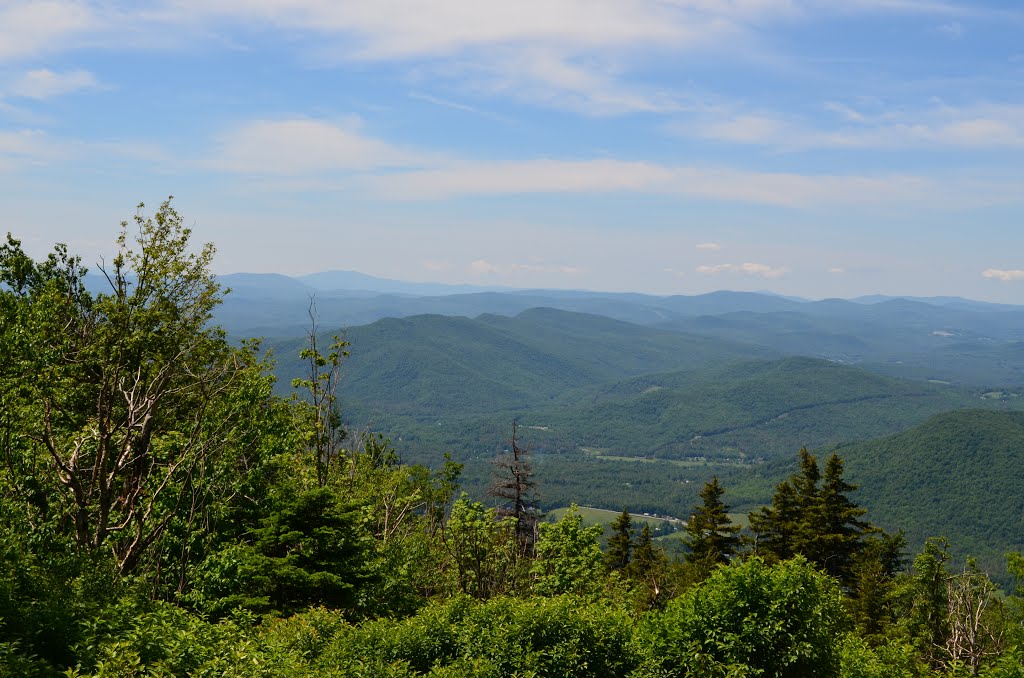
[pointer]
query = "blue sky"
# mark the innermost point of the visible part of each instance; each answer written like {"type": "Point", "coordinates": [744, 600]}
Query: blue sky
{"type": "Point", "coordinates": [809, 147]}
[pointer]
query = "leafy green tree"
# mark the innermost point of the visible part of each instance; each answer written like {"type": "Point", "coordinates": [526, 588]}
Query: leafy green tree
{"type": "Point", "coordinates": [406, 510]}
{"type": "Point", "coordinates": [874, 594]}
{"type": "Point", "coordinates": [481, 548]}
{"type": "Point", "coordinates": [569, 557]}
{"type": "Point", "coordinates": [321, 382]}
{"type": "Point", "coordinates": [750, 618]}
{"type": "Point", "coordinates": [620, 543]}
{"type": "Point", "coordinates": [928, 596]}
{"type": "Point", "coordinates": [711, 535]}
{"type": "Point", "coordinates": [109, 397]}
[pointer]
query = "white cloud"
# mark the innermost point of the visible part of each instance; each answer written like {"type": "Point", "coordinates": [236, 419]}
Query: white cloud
{"type": "Point", "coordinates": [979, 126]}
{"type": "Point", "coordinates": [752, 269]}
{"type": "Point", "coordinates": [537, 176]}
{"type": "Point", "coordinates": [302, 154]}
{"type": "Point", "coordinates": [846, 112]}
{"type": "Point", "coordinates": [30, 27]}
{"type": "Point", "coordinates": [552, 78]}
{"type": "Point", "coordinates": [19, 148]}
{"type": "Point", "coordinates": [44, 83]}
{"type": "Point", "coordinates": [838, 270]}
{"type": "Point", "coordinates": [302, 146]}
{"type": "Point", "coordinates": [745, 129]}
{"type": "Point", "coordinates": [1004, 275]}
{"type": "Point", "coordinates": [544, 268]}
{"type": "Point", "coordinates": [437, 266]}
{"type": "Point", "coordinates": [482, 267]}
{"type": "Point", "coordinates": [569, 54]}
{"type": "Point", "coordinates": [710, 183]}
{"type": "Point", "coordinates": [709, 246]}
{"type": "Point", "coordinates": [398, 29]}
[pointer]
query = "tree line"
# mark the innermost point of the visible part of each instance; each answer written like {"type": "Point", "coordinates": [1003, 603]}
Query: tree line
{"type": "Point", "coordinates": [164, 513]}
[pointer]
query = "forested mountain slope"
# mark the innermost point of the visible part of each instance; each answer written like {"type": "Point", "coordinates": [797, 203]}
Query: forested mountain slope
{"type": "Point", "coordinates": [958, 474]}
{"type": "Point", "coordinates": [437, 366]}
{"type": "Point", "coordinates": [904, 338]}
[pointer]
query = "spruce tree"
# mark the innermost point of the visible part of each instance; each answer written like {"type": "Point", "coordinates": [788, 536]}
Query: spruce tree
{"type": "Point", "coordinates": [649, 569]}
{"type": "Point", "coordinates": [813, 517]}
{"type": "Point", "coordinates": [620, 542]}
{"type": "Point", "coordinates": [711, 535]}
{"type": "Point", "coordinates": [841, 532]}
{"type": "Point", "coordinates": [775, 527]}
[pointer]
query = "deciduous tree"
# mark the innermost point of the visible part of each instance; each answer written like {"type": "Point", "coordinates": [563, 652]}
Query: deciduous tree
{"type": "Point", "coordinates": [113, 393]}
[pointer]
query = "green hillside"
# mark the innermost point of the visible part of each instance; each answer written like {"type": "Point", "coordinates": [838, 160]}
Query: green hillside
{"type": "Point", "coordinates": [430, 366]}
{"type": "Point", "coordinates": [903, 338]}
{"type": "Point", "coordinates": [617, 414]}
{"type": "Point", "coordinates": [958, 474]}
{"type": "Point", "coordinates": [747, 411]}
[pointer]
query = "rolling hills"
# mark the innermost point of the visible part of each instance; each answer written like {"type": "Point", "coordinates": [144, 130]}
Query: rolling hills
{"type": "Point", "coordinates": [958, 474]}
{"type": "Point", "coordinates": [431, 366]}
{"type": "Point", "coordinates": [634, 400]}
{"type": "Point", "coordinates": [944, 338]}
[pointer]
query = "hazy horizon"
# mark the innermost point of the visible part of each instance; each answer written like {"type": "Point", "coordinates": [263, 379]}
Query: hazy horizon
{"type": "Point", "coordinates": [812, 148]}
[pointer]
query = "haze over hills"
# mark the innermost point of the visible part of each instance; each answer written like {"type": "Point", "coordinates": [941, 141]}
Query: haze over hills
{"type": "Point", "coordinates": [432, 365]}
{"type": "Point", "coordinates": [616, 412]}
{"type": "Point", "coordinates": [942, 339]}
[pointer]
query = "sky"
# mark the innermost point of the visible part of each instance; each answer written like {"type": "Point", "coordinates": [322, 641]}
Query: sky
{"type": "Point", "coordinates": [807, 147]}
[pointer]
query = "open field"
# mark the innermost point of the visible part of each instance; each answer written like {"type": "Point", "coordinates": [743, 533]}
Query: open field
{"type": "Point", "coordinates": [598, 516]}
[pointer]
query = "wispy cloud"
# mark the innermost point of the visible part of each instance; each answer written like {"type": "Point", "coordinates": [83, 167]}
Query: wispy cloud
{"type": "Point", "coordinates": [752, 269]}
{"type": "Point", "coordinates": [709, 246]}
{"type": "Point", "coordinates": [602, 175]}
{"type": "Point", "coordinates": [301, 146]}
{"type": "Point", "coordinates": [44, 83]}
{"type": "Point", "coordinates": [576, 55]}
{"type": "Point", "coordinates": [19, 148]}
{"type": "Point", "coordinates": [980, 126]}
{"type": "Point", "coordinates": [485, 267]}
{"type": "Point", "coordinates": [301, 154]}
{"type": "Point", "coordinates": [954, 29]}
{"type": "Point", "coordinates": [32, 27]}
{"type": "Point", "coordinates": [1003, 274]}
{"type": "Point", "coordinates": [437, 266]}
{"type": "Point", "coordinates": [482, 267]}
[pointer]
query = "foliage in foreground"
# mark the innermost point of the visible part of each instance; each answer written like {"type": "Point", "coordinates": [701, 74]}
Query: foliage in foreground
{"type": "Point", "coordinates": [164, 513]}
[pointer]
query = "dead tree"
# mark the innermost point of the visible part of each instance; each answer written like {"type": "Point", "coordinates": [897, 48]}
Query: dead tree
{"type": "Point", "coordinates": [513, 485]}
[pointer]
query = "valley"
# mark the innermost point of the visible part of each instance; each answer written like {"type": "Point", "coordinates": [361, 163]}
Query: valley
{"type": "Point", "coordinates": [636, 401]}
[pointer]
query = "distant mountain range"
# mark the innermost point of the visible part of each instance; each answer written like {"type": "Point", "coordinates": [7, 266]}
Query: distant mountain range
{"type": "Point", "coordinates": [636, 400]}
{"type": "Point", "coordinates": [941, 338]}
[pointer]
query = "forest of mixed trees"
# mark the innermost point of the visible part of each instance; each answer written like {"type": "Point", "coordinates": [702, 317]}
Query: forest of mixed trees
{"type": "Point", "coordinates": [166, 512]}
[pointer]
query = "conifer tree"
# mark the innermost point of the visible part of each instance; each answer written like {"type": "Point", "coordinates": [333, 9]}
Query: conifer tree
{"type": "Point", "coordinates": [775, 527]}
{"type": "Point", "coordinates": [841, 532]}
{"type": "Point", "coordinates": [815, 518]}
{"type": "Point", "coordinates": [649, 568]}
{"type": "Point", "coordinates": [620, 543]}
{"type": "Point", "coordinates": [711, 535]}
{"type": "Point", "coordinates": [790, 525]}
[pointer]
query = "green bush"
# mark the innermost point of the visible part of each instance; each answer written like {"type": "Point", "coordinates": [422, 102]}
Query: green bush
{"type": "Point", "coordinates": [751, 619]}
